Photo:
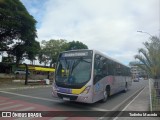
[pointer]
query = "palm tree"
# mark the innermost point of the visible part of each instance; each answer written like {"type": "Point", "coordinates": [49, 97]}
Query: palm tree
{"type": "Point", "coordinates": [149, 58]}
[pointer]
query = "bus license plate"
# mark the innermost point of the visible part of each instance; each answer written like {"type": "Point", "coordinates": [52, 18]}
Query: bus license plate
{"type": "Point", "coordinates": [67, 99]}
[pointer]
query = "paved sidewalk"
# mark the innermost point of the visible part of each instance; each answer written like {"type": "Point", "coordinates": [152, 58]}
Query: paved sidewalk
{"type": "Point", "coordinates": [8, 85]}
{"type": "Point", "coordinates": [139, 103]}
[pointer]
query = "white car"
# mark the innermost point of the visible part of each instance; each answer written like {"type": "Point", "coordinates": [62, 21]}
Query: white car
{"type": "Point", "coordinates": [141, 78]}
{"type": "Point", "coordinates": [21, 72]}
{"type": "Point", "coordinates": [136, 79]}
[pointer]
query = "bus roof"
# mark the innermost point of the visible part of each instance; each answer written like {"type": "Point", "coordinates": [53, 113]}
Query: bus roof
{"type": "Point", "coordinates": [96, 51]}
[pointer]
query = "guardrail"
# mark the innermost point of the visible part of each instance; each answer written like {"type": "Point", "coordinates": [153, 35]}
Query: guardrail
{"type": "Point", "coordinates": [154, 88]}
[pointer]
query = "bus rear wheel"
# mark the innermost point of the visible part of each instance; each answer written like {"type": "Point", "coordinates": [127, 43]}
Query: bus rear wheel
{"type": "Point", "coordinates": [126, 88]}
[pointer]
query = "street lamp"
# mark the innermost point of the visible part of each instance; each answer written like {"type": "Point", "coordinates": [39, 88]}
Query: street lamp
{"type": "Point", "coordinates": [145, 33]}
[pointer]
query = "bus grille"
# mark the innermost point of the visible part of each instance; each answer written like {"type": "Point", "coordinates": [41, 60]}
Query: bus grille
{"type": "Point", "coordinates": [67, 96]}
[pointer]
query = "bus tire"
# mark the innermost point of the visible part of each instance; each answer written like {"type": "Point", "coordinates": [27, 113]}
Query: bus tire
{"type": "Point", "coordinates": [126, 88]}
{"type": "Point", "coordinates": [106, 94]}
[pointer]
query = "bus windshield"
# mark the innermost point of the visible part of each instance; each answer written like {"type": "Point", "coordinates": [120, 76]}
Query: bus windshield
{"type": "Point", "coordinates": [73, 72]}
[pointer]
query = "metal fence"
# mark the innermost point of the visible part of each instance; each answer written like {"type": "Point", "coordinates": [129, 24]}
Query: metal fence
{"type": "Point", "coordinates": [154, 88]}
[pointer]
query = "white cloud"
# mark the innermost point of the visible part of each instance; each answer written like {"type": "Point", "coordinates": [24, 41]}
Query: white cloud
{"type": "Point", "coordinates": [108, 26]}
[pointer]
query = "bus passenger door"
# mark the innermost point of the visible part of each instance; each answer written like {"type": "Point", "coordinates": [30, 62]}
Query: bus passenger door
{"type": "Point", "coordinates": [98, 88]}
{"type": "Point", "coordinates": [97, 80]}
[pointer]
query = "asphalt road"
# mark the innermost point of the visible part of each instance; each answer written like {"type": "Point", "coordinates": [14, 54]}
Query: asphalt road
{"type": "Point", "coordinates": [43, 96]}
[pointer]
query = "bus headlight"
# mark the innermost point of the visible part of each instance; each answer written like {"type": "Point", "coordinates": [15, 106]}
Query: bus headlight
{"type": "Point", "coordinates": [85, 91]}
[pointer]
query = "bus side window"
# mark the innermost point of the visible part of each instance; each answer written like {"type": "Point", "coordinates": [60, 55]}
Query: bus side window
{"type": "Point", "coordinates": [105, 67]}
{"type": "Point", "coordinates": [110, 68]}
{"type": "Point", "coordinates": [118, 69]}
{"type": "Point", "coordinates": [126, 71]}
{"type": "Point", "coordinates": [123, 71]}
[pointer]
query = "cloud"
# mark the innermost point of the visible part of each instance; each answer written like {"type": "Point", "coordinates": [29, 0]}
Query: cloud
{"type": "Point", "coordinates": [108, 26]}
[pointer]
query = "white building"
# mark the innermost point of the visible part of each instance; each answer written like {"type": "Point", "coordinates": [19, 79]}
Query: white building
{"type": "Point", "coordinates": [137, 72]}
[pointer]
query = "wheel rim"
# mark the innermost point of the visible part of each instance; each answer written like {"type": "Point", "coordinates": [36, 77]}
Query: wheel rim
{"type": "Point", "coordinates": [126, 88]}
{"type": "Point", "coordinates": [105, 95]}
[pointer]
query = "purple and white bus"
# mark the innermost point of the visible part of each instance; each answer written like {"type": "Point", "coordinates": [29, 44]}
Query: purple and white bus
{"type": "Point", "coordinates": [89, 76]}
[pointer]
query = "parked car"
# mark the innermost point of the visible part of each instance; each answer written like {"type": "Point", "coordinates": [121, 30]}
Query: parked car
{"type": "Point", "coordinates": [136, 79]}
{"type": "Point", "coordinates": [141, 78]}
{"type": "Point", "coordinates": [21, 72]}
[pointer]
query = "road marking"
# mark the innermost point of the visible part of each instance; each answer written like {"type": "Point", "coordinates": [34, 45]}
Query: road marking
{"type": "Point", "coordinates": [13, 106]}
{"type": "Point", "coordinates": [133, 99]}
{"type": "Point", "coordinates": [26, 87]}
{"type": "Point", "coordinates": [29, 118]}
{"type": "Point", "coordinates": [59, 118]}
{"type": "Point", "coordinates": [115, 108]}
{"type": "Point", "coordinates": [46, 99]}
{"type": "Point", "coordinates": [30, 96]}
{"type": "Point", "coordinates": [99, 109]}
{"type": "Point", "coordinates": [2, 100]}
{"type": "Point", "coordinates": [129, 103]}
{"type": "Point", "coordinates": [26, 109]}
{"type": "Point", "coordinates": [5, 103]}
{"type": "Point", "coordinates": [125, 100]}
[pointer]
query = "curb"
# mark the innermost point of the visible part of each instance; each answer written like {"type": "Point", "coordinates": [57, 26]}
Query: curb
{"type": "Point", "coordinates": [26, 87]}
{"type": "Point", "coordinates": [120, 106]}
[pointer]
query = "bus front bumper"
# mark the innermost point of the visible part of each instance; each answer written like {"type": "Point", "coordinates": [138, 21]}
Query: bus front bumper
{"type": "Point", "coordinates": [85, 98]}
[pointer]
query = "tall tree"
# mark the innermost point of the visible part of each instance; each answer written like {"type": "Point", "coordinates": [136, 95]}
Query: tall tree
{"type": "Point", "coordinates": [17, 27]}
{"type": "Point", "coordinates": [51, 49]}
{"type": "Point", "coordinates": [43, 58]}
{"type": "Point", "coordinates": [149, 58]}
{"type": "Point", "coordinates": [33, 50]}
{"type": "Point", "coordinates": [18, 52]}
{"type": "Point", "coordinates": [76, 45]}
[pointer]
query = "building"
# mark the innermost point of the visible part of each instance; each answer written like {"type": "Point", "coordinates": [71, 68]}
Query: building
{"type": "Point", "coordinates": [137, 72]}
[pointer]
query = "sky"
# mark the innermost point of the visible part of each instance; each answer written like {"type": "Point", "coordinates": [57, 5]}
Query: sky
{"type": "Point", "coordinates": [109, 26]}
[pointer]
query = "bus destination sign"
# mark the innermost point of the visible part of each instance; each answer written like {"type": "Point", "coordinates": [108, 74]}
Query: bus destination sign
{"type": "Point", "coordinates": [75, 54]}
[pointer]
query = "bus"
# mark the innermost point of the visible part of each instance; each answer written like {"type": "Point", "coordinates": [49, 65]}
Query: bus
{"type": "Point", "coordinates": [89, 76]}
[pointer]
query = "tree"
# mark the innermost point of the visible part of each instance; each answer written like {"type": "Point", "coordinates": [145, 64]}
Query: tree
{"type": "Point", "coordinates": [76, 45]}
{"type": "Point", "coordinates": [51, 49]}
{"type": "Point", "coordinates": [17, 28]}
{"type": "Point", "coordinates": [33, 50]}
{"type": "Point", "coordinates": [21, 51]}
{"type": "Point", "coordinates": [17, 51]}
{"type": "Point", "coordinates": [43, 58]}
{"type": "Point", "coordinates": [149, 58]}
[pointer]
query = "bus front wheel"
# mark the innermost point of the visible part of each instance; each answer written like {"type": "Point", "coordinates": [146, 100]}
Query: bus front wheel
{"type": "Point", "coordinates": [106, 94]}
